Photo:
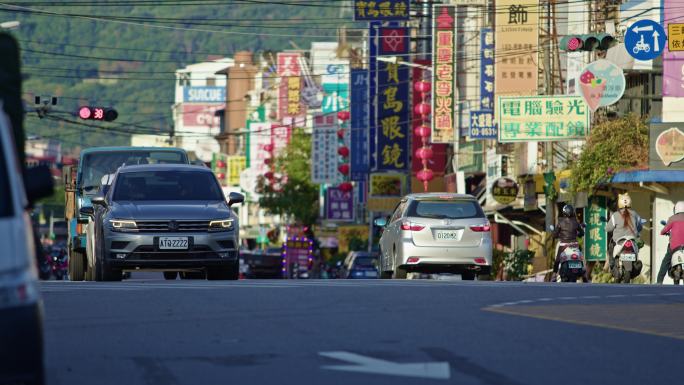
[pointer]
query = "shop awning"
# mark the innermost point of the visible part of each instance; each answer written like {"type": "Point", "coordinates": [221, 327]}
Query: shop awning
{"type": "Point", "coordinates": [655, 176]}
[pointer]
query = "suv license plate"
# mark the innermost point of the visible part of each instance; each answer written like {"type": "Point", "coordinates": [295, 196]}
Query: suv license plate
{"type": "Point", "coordinates": [173, 243]}
{"type": "Point", "coordinates": [628, 257]}
{"type": "Point", "coordinates": [447, 235]}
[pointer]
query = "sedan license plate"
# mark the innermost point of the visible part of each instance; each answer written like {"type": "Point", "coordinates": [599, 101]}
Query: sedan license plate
{"type": "Point", "coordinates": [173, 243]}
{"type": "Point", "coordinates": [628, 257]}
{"type": "Point", "coordinates": [447, 235]}
{"type": "Point", "coordinates": [574, 265]}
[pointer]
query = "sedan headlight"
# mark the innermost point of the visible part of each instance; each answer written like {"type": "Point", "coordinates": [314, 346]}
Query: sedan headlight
{"type": "Point", "coordinates": [221, 225]}
{"type": "Point", "coordinates": [123, 225]}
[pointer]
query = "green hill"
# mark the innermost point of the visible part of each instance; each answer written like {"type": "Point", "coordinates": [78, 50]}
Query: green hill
{"type": "Point", "coordinates": [111, 53]}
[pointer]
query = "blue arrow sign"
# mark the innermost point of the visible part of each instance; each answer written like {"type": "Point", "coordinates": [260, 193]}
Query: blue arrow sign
{"type": "Point", "coordinates": [645, 40]}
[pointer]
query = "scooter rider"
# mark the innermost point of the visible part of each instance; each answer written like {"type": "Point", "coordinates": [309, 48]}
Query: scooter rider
{"type": "Point", "coordinates": [674, 226]}
{"type": "Point", "coordinates": [567, 230]}
{"type": "Point", "coordinates": [624, 222]}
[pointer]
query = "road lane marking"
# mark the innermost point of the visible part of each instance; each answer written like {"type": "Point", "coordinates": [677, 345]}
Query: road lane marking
{"type": "Point", "coordinates": [364, 364]}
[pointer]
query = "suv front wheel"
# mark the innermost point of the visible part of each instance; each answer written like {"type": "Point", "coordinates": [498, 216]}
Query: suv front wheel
{"type": "Point", "coordinates": [103, 272]}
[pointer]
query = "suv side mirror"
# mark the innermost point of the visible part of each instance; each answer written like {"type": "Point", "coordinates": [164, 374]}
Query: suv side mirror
{"type": "Point", "coordinates": [99, 199]}
{"type": "Point", "coordinates": [39, 183]}
{"type": "Point", "coordinates": [234, 198]}
{"type": "Point", "coordinates": [87, 211]}
{"type": "Point", "coordinates": [380, 222]}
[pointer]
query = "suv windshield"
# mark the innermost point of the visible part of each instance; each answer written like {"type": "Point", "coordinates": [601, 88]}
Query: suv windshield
{"type": "Point", "coordinates": [98, 164]}
{"type": "Point", "coordinates": [167, 185]}
{"type": "Point", "coordinates": [443, 209]}
{"type": "Point", "coordinates": [5, 191]}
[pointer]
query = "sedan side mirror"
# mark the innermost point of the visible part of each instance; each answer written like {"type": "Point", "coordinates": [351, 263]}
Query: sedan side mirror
{"type": "Point", "coordinates": [87, 211]}
{"type": "Point", "coordinates": [380, 222]}
{"type": "Point", "coordinates": [234, 198]}
{"type": "Point", "coordinates": [99, 200]}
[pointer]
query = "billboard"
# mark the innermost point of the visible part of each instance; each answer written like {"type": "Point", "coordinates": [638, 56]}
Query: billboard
{"type": "Point", "coordinates": [235, 165]}
{"type": "Point", "coordinates": [204, 94]}
{"type": "Point", "coordinates": [359, 108]}
{"type": "Point", "coordinates": [386, 10]}
{"type": "Point", "coordinates": [666, 146]}
{"type": "Point", "coordinates": [324, 144]}
{"type": "Point", "coordinates": [443, 79]}
{"type": "Point", "coordinates": [201, 115]}
{"type": "Point", "coordinates": [542, 118]}
{"type": "Point", "coordinates": [673, 61]}
{"type": "Point", "coordinates": [596, 238]}
{"type": "Point", "coordinates": [339, 205]}
{"type": "Point", "coordinates": [290, 89]}
{"type": "Point", "coordinates": [517, 47]}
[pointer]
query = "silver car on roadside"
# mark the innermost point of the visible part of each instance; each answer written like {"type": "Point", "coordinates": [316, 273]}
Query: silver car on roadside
{"type": "Point", "coordinates": [436, 233]}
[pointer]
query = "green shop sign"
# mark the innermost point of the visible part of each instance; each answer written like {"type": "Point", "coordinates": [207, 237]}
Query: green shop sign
{"type": "Point", "coordinates": [595, 237]}
{"type": "Point", "coordinates": [542, 118]}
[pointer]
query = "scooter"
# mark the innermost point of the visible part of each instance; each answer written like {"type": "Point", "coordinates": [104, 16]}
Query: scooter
{"type": "Point", "coordinates": [45, 265]}
{"type": "Point", "coordinates": [676, 271]}
{"type": "Point", "coordinates": [60, 265]}
{"type": "Point", "coordinates": [571, 260]}
{"type": "Point", "coordinates": [626, 251]}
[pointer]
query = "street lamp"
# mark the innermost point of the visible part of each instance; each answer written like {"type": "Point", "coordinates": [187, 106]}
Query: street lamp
{"type": "Point", "coordinates": [13, 24]}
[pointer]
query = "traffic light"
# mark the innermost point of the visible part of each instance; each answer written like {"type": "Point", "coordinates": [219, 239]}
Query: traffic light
{"type": "Point", "coordinates": [97, 113]}
{"type": "Point", "coordinates": [219, 165]}
{"type": "Point", "coordinates": [587, 42]}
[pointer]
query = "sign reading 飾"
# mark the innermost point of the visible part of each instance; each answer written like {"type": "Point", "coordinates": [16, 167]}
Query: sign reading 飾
{"type": "Point", "coordinates": [339, 205]}
{"type": "Point", "coordinates": [666, 146]}
{"type": "Point", "coordinates": [596, 238]}
{"type": "Point", "coordinates": [359, 108]}
{"type": "Point", "coordinates": [209, 94]}
{"type": "Point", "coordinates": [392, 134]}
{"type": "Point", "coordinates": [517, 47]}
{"type": "Point", "coordinates": [542, 118]}
{"type": "Point", "coordinates": [381, 10]}
{"type": "Point", "coordinates": [443, 77]}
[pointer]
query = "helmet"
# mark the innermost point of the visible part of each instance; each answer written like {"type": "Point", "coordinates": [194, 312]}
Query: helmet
{"type": "Point", "coordinates": [568, 211]}
{"type": "Point", "coordinates": [624, 201]}
{"type": "Point", "coordinates": [679, 208]}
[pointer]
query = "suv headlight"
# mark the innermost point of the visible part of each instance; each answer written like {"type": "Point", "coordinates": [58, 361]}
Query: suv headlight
{"type": "Point", "coordinates": [123, 225]}
{"type": "Point", "coordinates": [221, 225]}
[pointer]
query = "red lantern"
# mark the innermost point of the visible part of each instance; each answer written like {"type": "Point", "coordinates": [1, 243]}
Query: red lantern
{"type": "Point", "coordinates": [343, 115]}
{"type": "Point", "coordinates": [343, 151]}
{"type": "Point", "coordinates": [345, 186]}
{"type": "Point", "coordinates": [422, 109]}
{"type": "Point", "coordinates": [425, 175]}
{"type": "Point", "coordinates": [268, 175]}
{"type": "Point", "coordinates": [424, 153]}
{"type": "Point", "coordinates": [422, 131]}
{"type": "Point", "coordinates": [268, 147]}
{"type": "Point", "coordinates": [343, 168]}
{"type": "Point", "coordinates": [340, 133]}
{"type": "Point", "coordinates": [422, 86]}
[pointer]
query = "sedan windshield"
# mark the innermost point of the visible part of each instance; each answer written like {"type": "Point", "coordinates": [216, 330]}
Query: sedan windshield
{"type": "Point", "coordinates": [167, 185]}
{"type": "Point", "coordinates": [365, 261]}
{"type": "Point", "coordinates": [444, 209]}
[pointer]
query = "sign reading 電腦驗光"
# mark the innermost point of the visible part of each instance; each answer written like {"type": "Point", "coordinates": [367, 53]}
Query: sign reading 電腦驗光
{"type": "Point", "coordinates": [542, 118]}
{"type": "Point", "coordinates": [595, 236]}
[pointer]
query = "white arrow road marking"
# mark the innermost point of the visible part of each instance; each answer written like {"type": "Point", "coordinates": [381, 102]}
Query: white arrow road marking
{"type": "Point", "coordinates": [363, 364]}
{"type": "Point", "coordinates": [642, 29]}
{"type": "Point", "coordinates": [656, 43]}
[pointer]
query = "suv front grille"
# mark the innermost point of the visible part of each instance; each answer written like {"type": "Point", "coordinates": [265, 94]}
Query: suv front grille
{"type": "Point", "coordinates": [164, 226]}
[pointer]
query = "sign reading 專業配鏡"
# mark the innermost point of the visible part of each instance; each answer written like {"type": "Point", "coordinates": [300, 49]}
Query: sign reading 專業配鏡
{"type": "Point", "coordinates": [339, 205]}
{"type": "Point", "coordinates": [517, 47]}
{"type": "Point", "coordinates": [645, 39]}
{"type": "Point", "coordinates": [381, 10]}
{"type": "Point", "coordinates": [443, 75]}
{"type": "Point", "coordinates": [208, 94]}
{"type": "Point", "coordinates": [359, 108]}
{"type": "Point", "coordinates": [601, 83]}
{"type": "Point", "coordinates": [595, 238]}
{"type": "Point", "coordinates": [324, 144]}
{"type": "Point", "coordinates": [542, 118]}
{"type": "Point", "coordinates": [666, 146]}
{"type": "Point", "coordinates": [393, 109]}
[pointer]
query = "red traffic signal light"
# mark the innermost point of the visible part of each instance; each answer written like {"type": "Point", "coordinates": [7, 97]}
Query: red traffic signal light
{"type": "Point", "coordinates": [97, 113]}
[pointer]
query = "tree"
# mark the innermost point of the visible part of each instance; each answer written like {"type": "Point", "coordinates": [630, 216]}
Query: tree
{"type": "Point", "coordinates": [613, 146]}
{"type": "Point", "coordinates": [295, 196]}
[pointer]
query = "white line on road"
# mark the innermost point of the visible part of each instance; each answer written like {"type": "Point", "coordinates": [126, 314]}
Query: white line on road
{"type": "Point", "coordinates": [364, 364]}
{"type": "Point", "coordinates": [547, 299]}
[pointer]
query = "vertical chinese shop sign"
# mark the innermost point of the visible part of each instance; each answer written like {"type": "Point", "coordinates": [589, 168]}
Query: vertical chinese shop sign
{"type": "Point", "coordinates": [360, 162]}
{"type": "Point", "coordinates": [482, 124]}
{"type": "Point", "coordinates": [392, 134]}
{"type": "Point", "coordinates": [444, 81]}
{"type": "Point", "coordinates": [595, 238]}
{"type": "Point", "coordinates": [289, 93]}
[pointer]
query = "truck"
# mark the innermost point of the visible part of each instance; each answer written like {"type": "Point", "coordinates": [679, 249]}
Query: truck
{"type": "Point", "coordinates": [91, 177]}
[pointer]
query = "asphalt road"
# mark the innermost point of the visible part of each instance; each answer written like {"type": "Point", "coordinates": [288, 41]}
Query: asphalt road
{"type": "Point", "coordinates": [150, 331]}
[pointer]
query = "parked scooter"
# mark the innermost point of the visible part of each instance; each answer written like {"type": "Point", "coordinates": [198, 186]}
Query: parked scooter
{"type": "Point", "coordinates": [676, 271]}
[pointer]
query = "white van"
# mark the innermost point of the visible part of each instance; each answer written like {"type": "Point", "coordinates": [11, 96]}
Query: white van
{"type": "Point", "coordinates": [21, 324]}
